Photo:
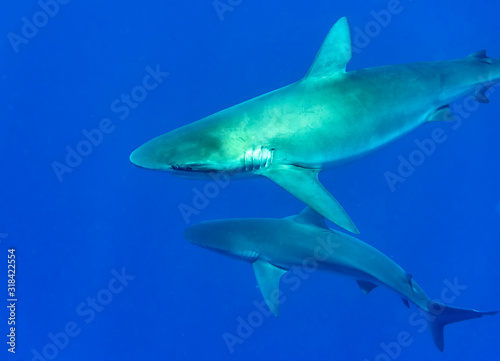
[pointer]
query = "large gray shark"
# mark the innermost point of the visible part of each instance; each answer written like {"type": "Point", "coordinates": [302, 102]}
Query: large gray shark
{"type": "Point", "coordinates": [275, 246]}
{"type": "Point", "coordinates": [324, 120]}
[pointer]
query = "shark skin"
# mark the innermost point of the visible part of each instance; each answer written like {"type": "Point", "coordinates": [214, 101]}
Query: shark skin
{"type": "Point", "coordinates": [326, 119]}
{"type": "Point", "coordinates": [275, 246]}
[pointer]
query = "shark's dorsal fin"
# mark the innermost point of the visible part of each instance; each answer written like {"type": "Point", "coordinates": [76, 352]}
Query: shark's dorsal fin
{"type": "Point", "coordinates": [481, 56]}
{"type": "Point", "coordinates": [310, 216]}
{"type": "Point", "coordinates": [303, 183]}
{"type": "Point", "coordinates": [366, 286]}
{"type": "Point", "coordinates": [268, 278]}
{"type": "Point", "coordinates": [335, 52]}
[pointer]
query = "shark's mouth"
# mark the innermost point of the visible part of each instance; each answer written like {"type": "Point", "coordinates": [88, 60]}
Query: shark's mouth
{"type": "Point", "coordinates": [193, 167]}
{"type": "Point", "coordinates": [192, 171]}
{"type": "Point", "coordinates": [185, 168]}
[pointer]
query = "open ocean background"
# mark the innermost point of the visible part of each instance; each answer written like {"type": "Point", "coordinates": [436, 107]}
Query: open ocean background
{"type": "Point", "coordinates": [73, 233]}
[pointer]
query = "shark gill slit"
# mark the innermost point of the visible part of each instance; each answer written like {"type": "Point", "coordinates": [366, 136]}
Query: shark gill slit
{"type": "Point", "coordinates": [258, 158]}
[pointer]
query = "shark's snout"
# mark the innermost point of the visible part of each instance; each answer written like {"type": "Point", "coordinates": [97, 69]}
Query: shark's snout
{"type": "Point", "coordinates": [193, 234]}
{"type": "Point", "coordinates": [155, 154]}
{"type": "Point", "coordinates": [140, 159]}
{"type": "Point", "coordinates": [172, 153]}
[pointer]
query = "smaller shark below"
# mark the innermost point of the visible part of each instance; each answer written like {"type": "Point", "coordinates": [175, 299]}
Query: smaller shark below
{"type": "Point", "coordinates": [274, 246]}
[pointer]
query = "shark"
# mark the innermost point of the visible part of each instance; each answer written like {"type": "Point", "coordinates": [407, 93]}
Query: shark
{"type": "Point", "coordinates": [303, 241]}
{"type": "Point", "coordinates": [326, 119]}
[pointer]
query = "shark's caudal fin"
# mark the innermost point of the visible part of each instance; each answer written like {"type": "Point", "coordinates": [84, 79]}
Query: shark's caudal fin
{"type": "Point", "coordinates": [303, 183]}
{"type": "Point", "coordinates": [441, 315]}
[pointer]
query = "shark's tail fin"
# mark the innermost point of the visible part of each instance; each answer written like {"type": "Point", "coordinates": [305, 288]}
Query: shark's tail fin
{"type": "Point", "coordinates": [440, 315]}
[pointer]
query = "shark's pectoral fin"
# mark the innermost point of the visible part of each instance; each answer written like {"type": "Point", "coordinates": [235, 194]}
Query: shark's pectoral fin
{"type": "Point", "coordinates": [268, 278]}
{"type": "Point", "coordinates": [441, 114]}
{"type": "Point", "coordinates": [366, 286]}
{"type": "Point", "coordinates": [303, 183]}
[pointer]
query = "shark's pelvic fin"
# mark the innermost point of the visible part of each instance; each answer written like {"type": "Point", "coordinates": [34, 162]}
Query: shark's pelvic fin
{"type": "Point", "coordinates": [310, 216]}
{"type": "Point", "coordinates": [441, 114]}
{"type": "Point", "coordinates": [405, 301]}
{"type": "Point", "coordinates": [303, 183]}
{"type": "Point", "coordinates": [268, 278]}
{"type": "Point", "coordinates": [366, 286]}
{"type": "Point", "coordinates": [335, 52]}
{"type": "Point", "coordinates": [440, 315]}
{"type": "Point", "coordinates": [480, 95]}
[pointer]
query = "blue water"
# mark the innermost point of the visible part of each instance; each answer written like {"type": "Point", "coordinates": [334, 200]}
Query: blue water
{"type": "Point", "coordinates": [76, 228]}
